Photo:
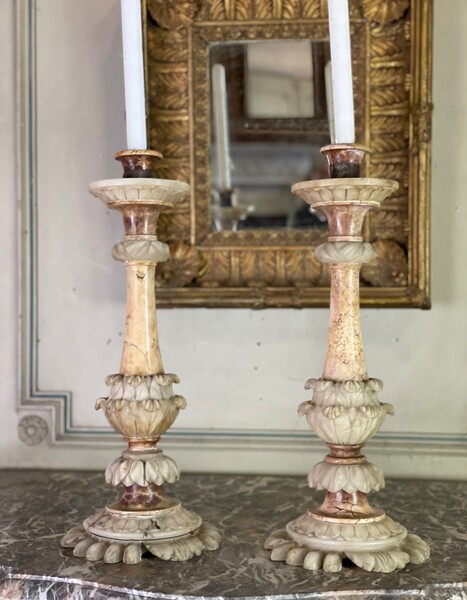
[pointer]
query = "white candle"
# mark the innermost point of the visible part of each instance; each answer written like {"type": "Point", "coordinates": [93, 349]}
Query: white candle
{"type": "Point", "coordinates": [329, 101]}
{"type": "Point", "coordinates": [342, 92]}
{"type": "Point", "coordinates": [133, 68]}
{"type": "Point", "coordinates": [221, 126]}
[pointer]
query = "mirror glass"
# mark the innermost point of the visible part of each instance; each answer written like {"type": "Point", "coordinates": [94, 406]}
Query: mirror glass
{"type": "Point", "coordinates": [268, 122]}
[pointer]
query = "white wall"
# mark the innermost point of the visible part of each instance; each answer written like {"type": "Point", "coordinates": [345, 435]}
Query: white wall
{"type": "Point", "coordinates": [240, 369]}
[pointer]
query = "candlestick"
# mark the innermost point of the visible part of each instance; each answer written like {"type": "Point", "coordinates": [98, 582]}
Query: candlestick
{"type": "Point", "coordinates": [345, 410]}
{"type": "Point", "coordinates": [133, 68]}
{"type": "Point", "coordinates": [342, 89]}
{"type": "Point", "coordinates": [141, 405]}
{"type": "Point", "coordinates": [221, 126]}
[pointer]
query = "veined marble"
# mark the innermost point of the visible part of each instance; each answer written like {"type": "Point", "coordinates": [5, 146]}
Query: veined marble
{"type": "Point", "coordinates": [37, 507]}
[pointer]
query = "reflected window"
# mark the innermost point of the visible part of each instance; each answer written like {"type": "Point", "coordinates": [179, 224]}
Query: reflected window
{"type": "Point", "coordinates": [279, 79]}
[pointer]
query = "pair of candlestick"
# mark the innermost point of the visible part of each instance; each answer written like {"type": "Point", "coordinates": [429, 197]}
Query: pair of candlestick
{"type": "Point", "coordinates": [344, 411]}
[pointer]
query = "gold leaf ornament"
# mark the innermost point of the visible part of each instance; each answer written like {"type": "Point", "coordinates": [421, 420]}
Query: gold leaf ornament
{"type": "Point", "coordinates": [173, 15]}
{"type": "Point", "coordinates": [186, 264]}
{"type": "Point", "coordinates": [389, 267]}
{"type": "Point", "coordinates": [384, 12]}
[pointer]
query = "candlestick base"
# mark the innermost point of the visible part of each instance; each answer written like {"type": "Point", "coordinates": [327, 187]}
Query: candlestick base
{"type": "Point", "coordinates": [375, 544]}
{"type": "Point", "coordinates": [112, 535]}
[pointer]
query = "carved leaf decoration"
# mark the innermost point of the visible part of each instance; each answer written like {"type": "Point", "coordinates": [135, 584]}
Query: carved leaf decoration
{"type": "Point", "coordinates": [264, 9]}
{"type": "Point", "coordinates": [390, 224]}
{"type": "Point", "coordinates": [243, 9]}
{"type": "Point", "coordinates": [290, 9]}
{"type": "Point", "coordinates": [169, 89]}
{"type": "Point", "coordinates": [167, 46]}
{"type": "Point", "coordinates": [387, 76]}
{"type": "Point", "coordinates": [390, 124]}
{"type": "Point", "coordinates": [389, 268]}
{"type": "Point", "coordinates": [174, 147]}
{"type": "Point", "coordinates": [384, 12]}
{"type": "Point", "coordinates": [248, 270]}
{"type": "Point", "coordinates": [387, 143]}
{"type": "Point", "coordinates": [381, 562]}
{"type": "Point", "coordinates": [389, 170]}
{"type": "Point", "coordinates": [185, 265]}
{"type": "Point", "coordinates": [217, 271]}
{"type": "Point", "coordinates": [174, 226]}
{"type": "Point", "coordinates": [385, 48]}
{"type": "Point", "coordinates": [418, 550]}
{"type": "Point", "coordinates": [266, 271]}
{"type": "Point", "coordinates": [178, 170]}
{"type": "Point", "coordinates": [311, 8]}
{"type": "Point", "coordinates": [173, 15]}
{"type": "Point", "coordinates": [388, 96]}
{"type": "Point", "coordinates": [217, 10]}
{"type": "Point", "coordinates": [302, 268]}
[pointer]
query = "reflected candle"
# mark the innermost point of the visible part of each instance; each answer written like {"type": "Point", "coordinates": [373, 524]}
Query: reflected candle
{"type": "Point", "coordinates": [221, 126]}
{"type": "Point", "coordinates": [342, 92]}
{"type": "Point", "coordinates": [133, 67]}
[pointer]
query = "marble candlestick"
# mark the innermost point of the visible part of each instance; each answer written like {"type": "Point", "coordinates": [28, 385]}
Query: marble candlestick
{"type": "Point", "coordinates": [345, 410]}
{"type": "Point", "coordinates": [141, 405]}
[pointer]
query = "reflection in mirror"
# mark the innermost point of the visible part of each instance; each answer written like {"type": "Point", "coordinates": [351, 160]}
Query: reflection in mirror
{"type": "Point", "coordinates": [268, 122]}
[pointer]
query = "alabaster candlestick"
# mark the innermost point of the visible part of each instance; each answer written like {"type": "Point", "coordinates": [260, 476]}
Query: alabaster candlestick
{"type": "Point", "coordinates": [345, 411]}
{"type": "Point", "coordinates": [141, 405]}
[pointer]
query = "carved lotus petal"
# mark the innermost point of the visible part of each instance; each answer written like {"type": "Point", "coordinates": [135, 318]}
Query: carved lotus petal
{"type": "Point", "coordinates": [371, 412]}
{"type": "Point", "coordinates": [361, 532]}
{"type": "Point", "coordinates": [375, 384]}
{"type": "Point", "coordinates": [153, 474]}
{"type": "Point", "coordinates": [347, 532]}
{"type": "Point", "coordinates": [180, 402]}
{"type": "Point", "coordinates": [311, 384]}
{"type": "Point", "coordinates": [100, 402]}
{"type": "Point", "coordinates": [305, 407]}
{"type": "Point", "coordinates": [134, 380]}
{"type": "Point", "coordinates": [136, 472]}
{"type": "Point", "coordinates": [350, 427]}
{"type": "Point", "coordinates": [113, 379]}
{"type": "Point", "coordinates": [333, 412]}
{"type": "Point", "coordinates": [364, 477]}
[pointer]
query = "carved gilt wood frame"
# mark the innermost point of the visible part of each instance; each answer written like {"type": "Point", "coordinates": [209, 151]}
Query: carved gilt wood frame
{"type": "Point", "coordinates": [392, 45]}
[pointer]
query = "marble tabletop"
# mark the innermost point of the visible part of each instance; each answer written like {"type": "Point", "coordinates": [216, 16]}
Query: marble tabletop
{"type": "Point", "coordinates": [38, 507]}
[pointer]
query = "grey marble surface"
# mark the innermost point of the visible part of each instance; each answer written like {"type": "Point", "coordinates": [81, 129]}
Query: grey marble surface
{"type": "Point", "coordinates": [37, 507]}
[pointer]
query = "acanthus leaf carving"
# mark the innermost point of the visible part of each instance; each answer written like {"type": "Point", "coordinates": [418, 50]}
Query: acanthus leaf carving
{"type": "Point", "coordinates": [389, 267]}
{"type": "Point", "coordinates": [384, 12]}
{"type": "Point", "coordinates": [186, 265]}
{"type": "Point", "coordinates": [173, 15]}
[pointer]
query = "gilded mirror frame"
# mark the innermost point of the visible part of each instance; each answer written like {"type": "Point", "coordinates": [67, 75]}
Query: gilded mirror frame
{"type": "Point", "coordinates": [392, 53]}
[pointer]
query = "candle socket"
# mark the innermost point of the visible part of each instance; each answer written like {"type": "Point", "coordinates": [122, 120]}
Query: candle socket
{"type": "Point", "coordinates": [226, 197]}
{"type": "Point", "coordinates": [138, 163]}
{"type": "Point", "coordinates": [344, 160]}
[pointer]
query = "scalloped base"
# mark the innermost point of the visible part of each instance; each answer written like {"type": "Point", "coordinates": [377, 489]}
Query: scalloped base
{"type": "Point", "coordinates": [114, 536]}
{"type": "Point", "coordinates": [380, 545]}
